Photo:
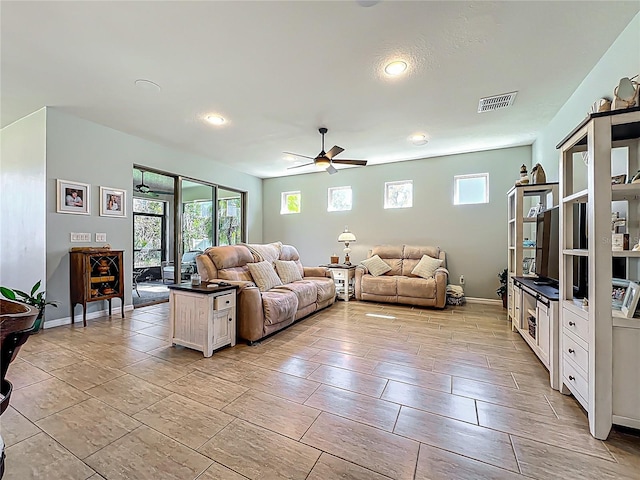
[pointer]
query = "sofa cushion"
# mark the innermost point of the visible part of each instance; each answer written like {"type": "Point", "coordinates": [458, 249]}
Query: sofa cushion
{"type": "Point", "coordinates": [376, 266]}
{"type": "Point", "coordinates": [279, 305]}
{"type": "Point", "coordinates": [382, 285]}
{"type": "Point", "coordinates": [416, 287]}
{"type": "Point", "coordinates": [264, 252]}
{"type": "Point", "coordinates": [289, 252]}
{"type": "Point", "coordinates": [264, 276]}
{"type": "Point", "coordinates": [229, 256]}
{"type": "Point", "coordinates": [326, 288]}
{"type": "Point", "coordinates": [426, 267]}
{"type": "Point", "coordinates": [307, 292]}
{"type": "Point", "coordinates": [413, 255]}
{"type": "Point", "coordinates": [391, 255]}
{"type": "Point", "coordinates": [235, 273]}
{"type": "Point", "coordinates": [288, 271]}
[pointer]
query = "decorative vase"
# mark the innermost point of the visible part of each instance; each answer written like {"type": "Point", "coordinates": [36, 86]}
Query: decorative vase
{"type": "Point", "coordinates": [103, 267]}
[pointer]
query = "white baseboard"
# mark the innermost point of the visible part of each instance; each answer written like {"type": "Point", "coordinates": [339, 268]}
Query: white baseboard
{"type": "Point", "coordinates": [486, 301]}
{"type": "Point", "coordinates": [90, 316]}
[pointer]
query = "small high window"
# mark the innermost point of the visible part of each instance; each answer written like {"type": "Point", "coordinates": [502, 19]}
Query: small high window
{"type": "Point", "coordinates": [339, 199]}
{"type": "Point", "coordinates": [398, 194]}
{"type": "Point", "coordinates": [470, 189]}
{"type": "Point", "coordinates": [290, 203]}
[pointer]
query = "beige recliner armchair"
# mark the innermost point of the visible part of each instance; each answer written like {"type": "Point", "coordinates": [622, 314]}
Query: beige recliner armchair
{"type": "Point", "coordinates": [399, 285]}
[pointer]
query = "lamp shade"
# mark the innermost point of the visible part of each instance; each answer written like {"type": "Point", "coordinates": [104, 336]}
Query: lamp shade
{"type": "Point", "coordinates": [346, 236]}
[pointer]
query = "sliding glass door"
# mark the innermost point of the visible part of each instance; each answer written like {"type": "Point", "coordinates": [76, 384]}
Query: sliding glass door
{"type": "Point", "coordinates": [230, 217]}
{"type": "Point", "coordinates": [198, 216]}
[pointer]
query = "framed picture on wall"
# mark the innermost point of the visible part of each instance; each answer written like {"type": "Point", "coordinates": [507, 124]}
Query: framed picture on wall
{"type": "Point", "coordinates": [113, 202]}
{"type": "Point", "coordinates": [73, 197]}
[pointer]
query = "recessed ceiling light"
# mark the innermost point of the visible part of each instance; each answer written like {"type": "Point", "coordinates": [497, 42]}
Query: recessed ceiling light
{"type": "Point", "coordinates": [396, 68]}
{"type": "Point", "coordinates": [215, 119]}
{"type": "Point", "coordinates": [418, 139]}
{"type": "Point", "coordinates": [147, 85]}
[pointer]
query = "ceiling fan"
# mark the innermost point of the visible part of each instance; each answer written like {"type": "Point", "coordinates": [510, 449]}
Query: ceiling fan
{"type": "Point", "coordinates": [145, 189]}
{"type": "Point", "coordinates": [142, 187]}
{"type": "Point", "coordinates": [326, 159]}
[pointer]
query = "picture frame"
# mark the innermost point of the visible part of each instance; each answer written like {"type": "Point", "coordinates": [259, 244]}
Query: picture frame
{"type": "Point", "coordinates": [113, 202]}
{"type": "Point", "coordinates": [619, 287]}
{"type": "Point", "coordinates": [73, 197]}
{"type": "Point", "coordinates": [630, 301]}
{"type": "Point", "coordinates": [619, 179]}
{"type": "Point", "coordinates": [533, 212]}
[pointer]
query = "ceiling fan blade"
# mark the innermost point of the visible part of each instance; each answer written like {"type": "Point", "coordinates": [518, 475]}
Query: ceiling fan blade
{"type": "Point", "coordinates": [298, 155]}
{"type": "Point", "coordinates": [298, 166]}
{"type": "Point", "coordinates": [362, 163]}
{"type": "Point", "coordinates": [331, 170]}
{"type": "Point", "coordinates": [334, 151]}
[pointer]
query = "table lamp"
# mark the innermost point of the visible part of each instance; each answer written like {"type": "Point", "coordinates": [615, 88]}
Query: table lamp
{"type": "Point", "coordinates": [346, 237]}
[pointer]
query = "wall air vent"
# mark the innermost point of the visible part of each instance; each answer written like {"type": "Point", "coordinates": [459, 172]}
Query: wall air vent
{"type": "Point", "coordinates": [489, 104]}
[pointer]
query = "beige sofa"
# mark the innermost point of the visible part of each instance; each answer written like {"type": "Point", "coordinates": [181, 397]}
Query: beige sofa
{"type": "Point", "coordinates": [262, 313]}
{"type": "Point", "coordinates": [399, 285]}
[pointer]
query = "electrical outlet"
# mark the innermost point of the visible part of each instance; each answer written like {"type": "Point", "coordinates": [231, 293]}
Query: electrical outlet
{"type": "Point", "coordinates": [461, 279]}
{"type": "Point", "coordinates": [80, 237]}
{"type": "Point", "coordinates": [101, 237]}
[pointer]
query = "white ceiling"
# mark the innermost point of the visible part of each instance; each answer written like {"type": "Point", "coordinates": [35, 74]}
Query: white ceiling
{"type": "Point", "coordinates": [279, 70]}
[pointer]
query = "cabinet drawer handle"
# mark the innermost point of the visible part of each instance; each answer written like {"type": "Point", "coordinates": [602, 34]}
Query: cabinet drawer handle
{"type": "Point", "coordinates": [572, 378]}
{"type": "Point", "coordinates": [571, 350]}
{"type": "Point", "coordinates": [230, 319]}
{"type": "Point", "coordinates": [572, 324]}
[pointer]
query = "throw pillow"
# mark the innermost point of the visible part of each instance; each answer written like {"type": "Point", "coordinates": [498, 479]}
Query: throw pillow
{"type": "Point", "coordinates": [264, 276]}
{"type": "Point", "coordinates": [376, 265]}
{"type": "Point", "coordinates": [288, 271]}
{"type": "Point", "coordinates": [426, 267]}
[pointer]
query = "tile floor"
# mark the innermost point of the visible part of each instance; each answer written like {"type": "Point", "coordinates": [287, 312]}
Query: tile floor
{"type": "Point", "coordinates": [412, 394]}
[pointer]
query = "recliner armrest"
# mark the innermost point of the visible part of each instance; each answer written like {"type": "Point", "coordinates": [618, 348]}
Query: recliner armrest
{"type": "Point", "coordinates": [316, 272]}
{"type": "Point", "coordinates": [361, 270]}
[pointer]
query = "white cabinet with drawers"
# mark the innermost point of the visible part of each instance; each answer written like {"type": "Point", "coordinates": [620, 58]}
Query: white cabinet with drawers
{"type": "Point", "coordinates": [202, 318]}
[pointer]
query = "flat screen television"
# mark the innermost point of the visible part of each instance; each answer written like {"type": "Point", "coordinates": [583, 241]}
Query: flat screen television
{"type": "Point", "coordinates": [548, 246]}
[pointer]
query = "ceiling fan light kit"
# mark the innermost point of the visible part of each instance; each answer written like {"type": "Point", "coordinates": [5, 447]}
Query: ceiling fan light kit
{"type": "Point", "coordinates": [325, 160]}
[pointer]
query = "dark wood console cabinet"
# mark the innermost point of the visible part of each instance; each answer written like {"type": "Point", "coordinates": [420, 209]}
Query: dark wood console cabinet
{"type": "Point", "coordinates": [95, 274]}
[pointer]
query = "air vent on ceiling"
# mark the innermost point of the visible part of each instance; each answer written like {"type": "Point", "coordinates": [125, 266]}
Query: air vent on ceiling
{"type": "Point", "coordinates": [489, 104]}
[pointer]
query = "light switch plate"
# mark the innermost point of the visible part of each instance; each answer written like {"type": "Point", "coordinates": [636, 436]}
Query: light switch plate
{"type": "Point", "coordinates": [101, 237]}
{"type": "Point", "coordinates": [80, 237]}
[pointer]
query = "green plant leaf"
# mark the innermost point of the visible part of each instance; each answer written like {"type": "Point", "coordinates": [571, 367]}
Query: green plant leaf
{"type": "Point", "coordinates": [24, 295]}
{"type": "Point", "coordinates": [35, 287]}
{"type": "Point", "coordinates": [8, 293]}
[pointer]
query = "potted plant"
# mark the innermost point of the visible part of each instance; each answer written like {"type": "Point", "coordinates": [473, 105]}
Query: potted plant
{"type": "Point", "coordinates": [35, 298]}
{"type": "Point", "coordinates": [502, 289]}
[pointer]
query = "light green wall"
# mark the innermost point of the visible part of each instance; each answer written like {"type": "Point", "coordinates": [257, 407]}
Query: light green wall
{"type": "Point", "coordinates": [474, 236]}
{"type": "Point", "coordinates": [22, 202]}
{"type": "Point", "coordinates": [621, 60]}
{"type": "Point", "coordinates": [83, 151]}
